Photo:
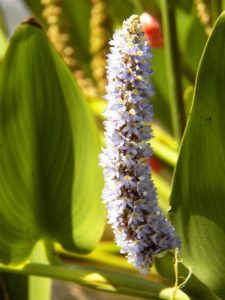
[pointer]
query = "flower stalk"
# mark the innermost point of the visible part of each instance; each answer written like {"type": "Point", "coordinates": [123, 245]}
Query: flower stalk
{"type": "Point", "coordinates": [140, 228]}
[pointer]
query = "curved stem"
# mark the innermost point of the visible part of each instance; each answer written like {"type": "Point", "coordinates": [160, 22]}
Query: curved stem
{"type": "Point", "coordinates": [173, 68]}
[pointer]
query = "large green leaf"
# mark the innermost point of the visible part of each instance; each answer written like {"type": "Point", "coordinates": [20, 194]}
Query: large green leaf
{"type": "Point", "coordinates": [198, 193]}
{"type": "Point", "coordinates": [50, 181]}
{"type": "Point", "coordinates": [193, 287]}
{"type": "Point", "coordinates": [75, 20]}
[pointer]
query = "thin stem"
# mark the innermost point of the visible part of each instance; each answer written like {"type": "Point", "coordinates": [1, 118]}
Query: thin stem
{"type": "Point", "coordinates": [97, 278]}
{"type": "Point", "coordinates": [173, 68]}
{"type": "Point", "coordinates": [175, 287]}
{"type": "Point", "coordinates": [178, 286]}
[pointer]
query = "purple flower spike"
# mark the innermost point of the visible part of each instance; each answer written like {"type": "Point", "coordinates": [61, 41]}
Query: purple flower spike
{"type": "Point", "coordinates": [140, 228]}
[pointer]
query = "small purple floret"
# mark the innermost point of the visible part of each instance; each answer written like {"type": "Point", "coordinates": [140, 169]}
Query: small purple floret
{"type": "Point", "coordinates": [140, 228]}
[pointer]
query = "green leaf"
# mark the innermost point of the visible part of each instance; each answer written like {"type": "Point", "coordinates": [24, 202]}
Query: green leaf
{"type": "Point", "coordinates": [198, 193]}
{"type": "Point", "coordinates": [193, 287]}
{"type": "Point", "coordinates": [195, 40]}
{"type": "Point", "coordinates": [3, 34]}
{"type": "Point", "coordinates": [160, 99]}
{"type": "Point", "coordinates": [185, 4]}
{"type": "Point", "coordinates": [3, 43]}
{"type": "Point", "coordinates": [74, 20]}
{"type": "Point", "coordinates": [50, 182]}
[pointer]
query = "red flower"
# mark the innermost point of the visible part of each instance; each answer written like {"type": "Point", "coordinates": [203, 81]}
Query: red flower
{"type": "Point", "coordinates": [155, 164]}
{"type": "Point", "coordinates": [153, 30]}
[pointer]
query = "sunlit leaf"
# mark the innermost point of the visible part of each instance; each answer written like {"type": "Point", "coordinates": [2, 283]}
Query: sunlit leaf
{"type": "Point", "coordinates": [50, 181]}
{"type": "Point", "coordinates": [74, 20]}
{"type": "Point", "coordinates": [3, 43]}
{"type": "Point", "coordinates": [198, 194]}
{"type": "Point", "coordinates": [3, 34]}
{"type": "Point", "coordinates": [193, 287]}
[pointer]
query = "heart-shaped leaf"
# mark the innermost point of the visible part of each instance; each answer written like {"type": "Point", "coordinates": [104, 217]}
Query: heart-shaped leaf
{"type": "Point", "coordinates": [198, 193]}
{"type": "Point", "coordinates": [50, 181]}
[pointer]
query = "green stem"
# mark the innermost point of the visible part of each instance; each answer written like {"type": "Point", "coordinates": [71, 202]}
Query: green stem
{"type": "Point", "coordinates": [97, 278]}
{"type": "Point", "coordinates": [138, 7]}
{"type": "Point", "coordinates": [173, 68]}
{"type": "Point", "coordinates": [216, 6]}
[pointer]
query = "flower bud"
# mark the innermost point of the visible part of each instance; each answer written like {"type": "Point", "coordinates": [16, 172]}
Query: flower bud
{"type": "Point", "coordinates": [152, 29]}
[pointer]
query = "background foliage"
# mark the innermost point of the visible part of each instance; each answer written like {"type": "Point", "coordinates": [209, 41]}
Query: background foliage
{"type": "Point", "coordinates": [52, 78]}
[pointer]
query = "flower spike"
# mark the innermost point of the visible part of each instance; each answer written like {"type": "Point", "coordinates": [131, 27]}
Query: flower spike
{"type": "Point", "coordinates": [140, 228]}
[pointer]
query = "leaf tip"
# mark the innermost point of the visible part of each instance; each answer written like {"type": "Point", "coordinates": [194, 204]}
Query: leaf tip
{"type": "Point", "coordinates": [31, 21]}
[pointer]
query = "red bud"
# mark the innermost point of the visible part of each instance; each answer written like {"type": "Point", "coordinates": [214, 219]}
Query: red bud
{"type": "Point", "coordinates": [155, 164]}
{"type": "Point", "coordinates": [153, 30]}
